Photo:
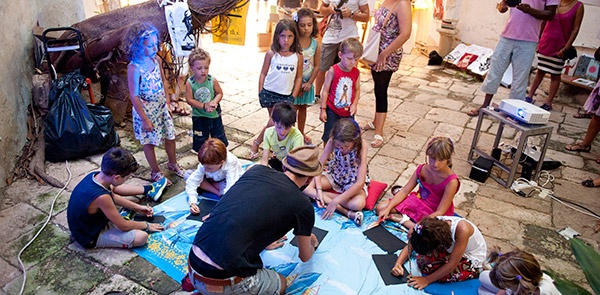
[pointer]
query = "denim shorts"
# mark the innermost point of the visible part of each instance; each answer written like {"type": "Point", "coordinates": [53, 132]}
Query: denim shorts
{"type": "Point", "coordinates": [268, 98]}
{"type": "Point", "coordinates": [112, 237]}
{"type": "Point", "coordinates": [265, 281]}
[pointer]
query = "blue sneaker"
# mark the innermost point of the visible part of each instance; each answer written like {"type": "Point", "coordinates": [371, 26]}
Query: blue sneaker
{"type": "Point", "coordinates": [528, 99]}
{"type": "Point", "coordinates": [157, 189]}
{"type": "Point", "coordinates": [126, 213]}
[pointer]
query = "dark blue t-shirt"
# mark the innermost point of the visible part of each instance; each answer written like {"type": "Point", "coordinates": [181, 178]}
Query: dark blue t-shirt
{"type": "Point", "coordinates": [260, 208]}
{"type": "Point", "coordinates": [84, 227]}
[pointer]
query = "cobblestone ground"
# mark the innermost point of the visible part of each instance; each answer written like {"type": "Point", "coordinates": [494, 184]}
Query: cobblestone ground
{"type": "Point", "coordinates": [424, 102]}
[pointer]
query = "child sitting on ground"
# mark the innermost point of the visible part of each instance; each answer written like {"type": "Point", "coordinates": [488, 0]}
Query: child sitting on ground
{"type": "Point", "coordinates": [341, 89]}
{"type": "Point", "coordinates": [282, 137]}
{"type": "Point", "coordinates": [92, 214]}
{"type": "Point", "coordinates": [516, 272]}
{"type": "Point", "coordinates": [203, 92]}
{"type": "Point", "coordinates": [346, 175]}
{"type": "Point", "coordinates": [437, 186]}
{"type": "Point", "coordinates": [217, 171]}
{"type": "Point", "coordinates": [449, 248]}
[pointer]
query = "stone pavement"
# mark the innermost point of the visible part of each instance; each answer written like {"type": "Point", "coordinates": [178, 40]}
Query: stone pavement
{"type": "Point", "coordinates": [424, 102]}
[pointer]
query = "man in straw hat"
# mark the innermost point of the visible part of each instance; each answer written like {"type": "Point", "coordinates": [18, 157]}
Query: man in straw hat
{"type": "Point", "coordinates": [259, 209]}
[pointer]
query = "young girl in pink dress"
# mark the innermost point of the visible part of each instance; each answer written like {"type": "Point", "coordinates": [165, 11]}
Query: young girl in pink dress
{"type": "Point", "coordinates": [437, 186]}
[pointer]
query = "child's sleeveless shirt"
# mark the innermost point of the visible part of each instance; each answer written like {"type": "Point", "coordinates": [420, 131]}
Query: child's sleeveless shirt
{"type": "Point", "coordinates": [341, 90]}
{"type": "Point", "coordinates": [309, 60]}
{"type": "Point", "coordinates": [281, 74]}
{"type": "Point", "coordinates": [205, 93]}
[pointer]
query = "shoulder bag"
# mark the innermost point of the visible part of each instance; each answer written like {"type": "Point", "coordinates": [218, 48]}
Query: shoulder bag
{"type": "Point", "coordinates": [371, 47]}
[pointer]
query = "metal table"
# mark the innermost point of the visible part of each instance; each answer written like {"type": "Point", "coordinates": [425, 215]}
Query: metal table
{"type": "Point", "coordinates": [525, 130]}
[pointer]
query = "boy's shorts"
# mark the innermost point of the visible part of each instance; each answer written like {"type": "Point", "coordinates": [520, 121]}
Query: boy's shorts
{"type": "Point", "coordinates": [332, 118]}
{"type": "Point", "coordinates": [268, 98]}
{"type": "Point", "coordinates": [265, 281]}
{"type": "Point", "coordinates": [112, 237]}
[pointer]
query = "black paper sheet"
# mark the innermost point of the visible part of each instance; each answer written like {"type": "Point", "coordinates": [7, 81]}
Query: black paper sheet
{"type": "Point", "coordinates": [385, 263]}
{"type": "Point", "coordinates": [320, 233]}
{"type": "Point", "coordinates": [152, 219]}
{"type": "Point", "coordinates": [384, 239]}
{"type": "Point", "coordinates": [206, 207]}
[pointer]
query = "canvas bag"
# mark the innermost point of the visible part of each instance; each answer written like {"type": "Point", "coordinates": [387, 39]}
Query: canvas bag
{"type": "Point", "coordinates": [371, 47]}
{"type": "Point", "coordinates": [179, 23]}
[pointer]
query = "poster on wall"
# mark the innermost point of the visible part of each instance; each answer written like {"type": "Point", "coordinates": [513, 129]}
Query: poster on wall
{"type": "Point", "coordinates": [231, 28]}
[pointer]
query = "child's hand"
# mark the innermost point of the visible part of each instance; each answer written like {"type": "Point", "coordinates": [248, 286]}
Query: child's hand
{"type": "Point", "coordinates": [383, 215]}
{"type": "Point", "coordinates": [353, 109]}
{"type": "Point", "coordinates": [211, 106]}
{"type": "Point", "coordinates": [398, 270]}
{"type": "Point", "coordinates": [330, 209]}
{"type": "Point", "coordinates": [155, 227]}
{"type": "Point", "coordinates": [194, 209]}
{"type": "Point", "coordinates": [319, 199]}
{"type": "Point", "coordinates": [306, 87]}
{"type": "Point", "coordinates": [145, 210]}
{"type": "Point", "coordinates": [147, 125]}
{"type": "Point", "coordinates": [418, 283]}
{"type": "Point", "coordinates": [323, 116]}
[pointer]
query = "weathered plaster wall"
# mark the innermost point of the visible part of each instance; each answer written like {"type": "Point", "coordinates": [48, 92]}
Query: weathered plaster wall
{"type": "Point", "coordinates": [480, 23]}
{"type": "Point", "coordinates": [16, 62]}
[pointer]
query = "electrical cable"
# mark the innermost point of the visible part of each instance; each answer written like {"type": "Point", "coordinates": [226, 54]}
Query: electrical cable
{"type": "Point", "coordinates": [522, 183]}
{"type": "Point", "coordinates": [40, 230]}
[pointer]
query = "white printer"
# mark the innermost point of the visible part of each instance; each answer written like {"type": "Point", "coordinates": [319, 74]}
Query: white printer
{"type": "Point", "coordinates": [524, 111]}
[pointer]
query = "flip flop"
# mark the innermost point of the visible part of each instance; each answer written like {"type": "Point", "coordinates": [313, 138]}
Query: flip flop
{"type": "Point", "coordinates": [582, 114]}
{"type": "Point", "coordinates": [589, 183]}
{"type": "Point", "coordinates": [473, 112]}
{"type": "Point", "coordinates": [578, 148]}
{"type": "Point", "coordinates": [395, 189]}
{"type": "Point", "coordinates": [368, 126]}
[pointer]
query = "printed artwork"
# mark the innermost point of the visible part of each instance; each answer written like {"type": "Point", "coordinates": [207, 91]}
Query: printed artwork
{"type": "Point", "coordinates": [471, 57]}
{"type": "Point", "coordinates": [343, 93]}
{"type": "Point", "coordinates": [587, 68]}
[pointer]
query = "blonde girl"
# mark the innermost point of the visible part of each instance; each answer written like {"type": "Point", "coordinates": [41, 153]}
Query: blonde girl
{"type": "Point", "coordinates": [517, 273]}
{"type": "Point", "coordinates": [347, 173]}
{"type": "Point", "coordinates": [281, 74]}
{"type": "Point", "coordinates": [307, 29]}
{"type": "Point", "coordinates": [152, 122]}
{"type": "Point", "coordinates": [437, 186]}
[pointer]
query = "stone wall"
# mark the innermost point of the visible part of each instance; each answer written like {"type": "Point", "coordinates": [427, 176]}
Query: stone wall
{"type": "Point", "coordinates": [17, 64]}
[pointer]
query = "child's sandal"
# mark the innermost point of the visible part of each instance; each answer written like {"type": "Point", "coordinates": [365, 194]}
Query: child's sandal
{"type": "Point", "coordinates": [358, 217]}
{"type": "Point", "coordinates": [175, 168]}
{"type": "Point", "coordinates": [156, 177]}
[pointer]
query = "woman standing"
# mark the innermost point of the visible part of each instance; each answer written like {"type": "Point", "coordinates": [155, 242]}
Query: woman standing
{"type": "Point", "coordinates": [557, 37]}
{"type": "Point", "coordinates": [394, 33]}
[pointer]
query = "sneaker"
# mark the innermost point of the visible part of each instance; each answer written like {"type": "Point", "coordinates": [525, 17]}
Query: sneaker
{"type": "Point", "coordinates": [157, 189]}
{"type": "Point", "coordinates": [546, 107]}
{"type": "Point", "coordinates": [528, 99]}
{"type": "Point", "coordinates": [126, 213]}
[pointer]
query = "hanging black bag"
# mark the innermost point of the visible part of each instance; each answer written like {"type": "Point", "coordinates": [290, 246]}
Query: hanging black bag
{"type": "Point", "coordinates": [72, 128]}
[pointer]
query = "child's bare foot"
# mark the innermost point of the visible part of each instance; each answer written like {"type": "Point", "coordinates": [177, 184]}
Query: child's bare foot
{"type": "Point", "coordinates": [254, 154]}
